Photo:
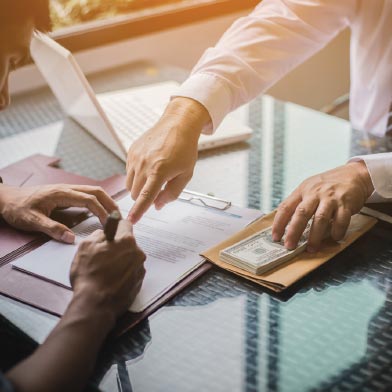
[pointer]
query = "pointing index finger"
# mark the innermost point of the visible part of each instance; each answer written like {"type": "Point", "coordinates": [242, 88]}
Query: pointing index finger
{"type": "Point", "coordinates": [146, 197]}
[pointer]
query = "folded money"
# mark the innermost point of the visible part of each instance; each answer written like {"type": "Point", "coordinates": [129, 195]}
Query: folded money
{"type": "Point", "coordinates": [259, 253]}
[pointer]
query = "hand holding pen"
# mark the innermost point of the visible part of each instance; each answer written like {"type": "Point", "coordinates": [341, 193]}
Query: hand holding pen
{"type": "Point", "coordinates": [111, 265]}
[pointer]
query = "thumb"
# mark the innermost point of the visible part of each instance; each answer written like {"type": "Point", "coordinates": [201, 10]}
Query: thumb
{"type": "Point", "coordinates": [53, 229]}
{"type": "Point", "coordinates": [171, 191]}
{"type": "Point", "coordinates": [125, 228]}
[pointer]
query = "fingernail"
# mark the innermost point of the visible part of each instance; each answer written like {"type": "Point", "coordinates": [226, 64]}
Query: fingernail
{"type": "Point", "coordinates": [159, 206]}
{"type": "Point", "coordinates": [289, 246]}
{"type": "Point", "coordinates": [68, 237]}
{"type": "Point", "coordinates": [275, 238]}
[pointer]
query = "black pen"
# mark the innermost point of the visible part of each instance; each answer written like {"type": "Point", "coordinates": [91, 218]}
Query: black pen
{"type": "Point", "coordinates": [111, 225]}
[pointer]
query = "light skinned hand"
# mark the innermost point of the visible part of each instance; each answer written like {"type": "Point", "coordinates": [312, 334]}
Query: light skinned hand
{"type": "Point", "coordinates": [331, 198]}
{"type": "Point", "coordinates": [109, 274]}
{"type": "Point", "coordinates": [161, 162]}
{"type": "Point", "coordinates": [29, 208]}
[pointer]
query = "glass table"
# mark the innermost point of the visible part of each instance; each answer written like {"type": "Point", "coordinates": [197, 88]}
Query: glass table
{"type": "Point", "coordinates": [331, 331]}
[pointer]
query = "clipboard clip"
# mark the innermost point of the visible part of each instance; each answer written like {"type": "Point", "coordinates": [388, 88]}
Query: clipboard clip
{"type": "Point", "coordinates": [204, 200]}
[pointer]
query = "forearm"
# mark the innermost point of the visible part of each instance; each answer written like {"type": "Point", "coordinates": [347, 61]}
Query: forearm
{"type": "Point", "coordinates": [259, 49]}
{"type": "Point", "coordinates": [65, 360]}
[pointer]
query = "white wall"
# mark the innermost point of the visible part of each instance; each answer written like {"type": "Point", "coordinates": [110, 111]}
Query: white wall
{"type": "Point", "coordinates": [315, 83]}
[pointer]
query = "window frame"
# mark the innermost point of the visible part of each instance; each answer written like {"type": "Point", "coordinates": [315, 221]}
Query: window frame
{"type": "Point", "coordinates": [107, 31]}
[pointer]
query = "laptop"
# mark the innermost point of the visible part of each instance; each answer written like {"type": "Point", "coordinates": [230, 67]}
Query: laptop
{"type": "Point", "coordinates": [116, 118]}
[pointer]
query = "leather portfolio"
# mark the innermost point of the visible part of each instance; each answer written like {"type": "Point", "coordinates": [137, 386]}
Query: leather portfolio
{"type": "Point", "coordinates": [41, 294]}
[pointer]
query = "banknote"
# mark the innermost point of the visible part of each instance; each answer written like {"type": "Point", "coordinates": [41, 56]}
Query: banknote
{"type": "Point", "coordinates": [259, 253]}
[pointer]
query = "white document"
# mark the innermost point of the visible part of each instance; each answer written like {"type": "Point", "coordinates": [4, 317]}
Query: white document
{"type": "Point", "coordinates": [172, 239]}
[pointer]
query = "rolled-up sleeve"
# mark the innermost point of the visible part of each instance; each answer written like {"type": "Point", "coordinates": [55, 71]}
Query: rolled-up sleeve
{"type": "Point", "coordinates": [380, 170]}
{"type": "Point", "coordinates": [257, 50]}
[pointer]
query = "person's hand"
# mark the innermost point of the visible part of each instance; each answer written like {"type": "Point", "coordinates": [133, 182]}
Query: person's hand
{"type": "Point", "coordinates": [331, 197]}
{"type": "Point", "coordinates": [29, 208]}
{"type": "Point", "coordinates": [165, 156]}
{"type": "Point", "coordinates": [109, 274]}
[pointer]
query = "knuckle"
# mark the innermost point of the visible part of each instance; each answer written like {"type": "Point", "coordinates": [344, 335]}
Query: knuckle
{"type": "Point", "coordinates": [283, 207]}
{"type": "Point", "coordinates": [91, 199]}
{"type": "Point", "coordinates": [302, 212]}
{"type": "Point", "coordinates": [158, 167]}
{"type": "Point", "coordinates": [84, 245]}
{"type": "Point", "coordinates": [65, 192]}
{"type": "Point", "coordinates": [59, 192]}
{"type": "Point", "coordinates": [331, 193]}
{"type": "Point", "coordinates": [92, 239]}
{"type": "Point", "coordinates": [143, 162]}
{"type": "Point", "coordinates": [87, 241]}
{"type": "Point", "coordinates": [34, 220]}
{"type": "Point", "coordinates": [321, 217]}
{"type": "Point", "coordinates": [55, 189]}
{"type": "Point", "coordinates": [145, 194]}
{"type": "Point", "coordinates": [100, 191]}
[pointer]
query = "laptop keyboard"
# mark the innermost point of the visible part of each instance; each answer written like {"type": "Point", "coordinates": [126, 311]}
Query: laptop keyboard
{"type": "Point", "coordinates": [129, 116]}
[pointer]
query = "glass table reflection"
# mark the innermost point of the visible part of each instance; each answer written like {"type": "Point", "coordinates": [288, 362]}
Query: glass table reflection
{"type": "Point", "coordinates": [331, 331]}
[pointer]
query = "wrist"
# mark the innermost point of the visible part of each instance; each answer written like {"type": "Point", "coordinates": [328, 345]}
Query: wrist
{"type": "Point", "coordinates": [190, 112]}
{"type": "Point", "coordinates": [364, 177]}
{"type": "Point", "coordinates": [90, 306]}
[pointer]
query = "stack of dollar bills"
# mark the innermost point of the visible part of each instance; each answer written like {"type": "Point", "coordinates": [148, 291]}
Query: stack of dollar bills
{"type": "Point", "coordinates": [259, 253]}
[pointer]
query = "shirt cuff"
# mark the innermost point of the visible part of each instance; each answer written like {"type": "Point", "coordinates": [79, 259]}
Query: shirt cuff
{"type": "Point", "coordinates": [212, 93]}
{"type": "Point", "coordinates": [380, 170]}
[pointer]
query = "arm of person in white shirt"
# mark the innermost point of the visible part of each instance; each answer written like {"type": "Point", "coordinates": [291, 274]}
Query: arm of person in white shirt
{"type": "Point", "coordinates": [333, 196]}
{"type": "Point", "coordinates": [255, 52]}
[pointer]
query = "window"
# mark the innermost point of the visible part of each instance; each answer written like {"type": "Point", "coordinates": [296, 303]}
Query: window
{"type": "Point", "coordinates": [66, 13]}
{"type": "Point", "coordinates": [82, 24]}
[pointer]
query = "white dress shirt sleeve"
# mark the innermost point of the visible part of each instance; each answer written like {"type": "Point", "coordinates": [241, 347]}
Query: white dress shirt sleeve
{"type": "Point", "coordinates": [257, 50]}
{"type": "Point", "coordinates": [380, 170]}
